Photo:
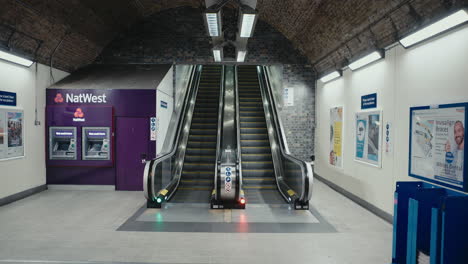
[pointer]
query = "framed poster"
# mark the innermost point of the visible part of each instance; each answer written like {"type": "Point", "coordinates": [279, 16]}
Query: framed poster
{"type": "Point", "coordinates": [437, 144]}
{"type": "Point", "coordinates": [368, 141]}
{"type": "Point", "coordinates": [11, 133]}
{"type": "Point", "coordinates": [336, 137]}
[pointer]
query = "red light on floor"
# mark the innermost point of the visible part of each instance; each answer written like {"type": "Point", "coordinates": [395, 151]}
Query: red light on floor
{"type": "Point", "coordinates": [242, 200]}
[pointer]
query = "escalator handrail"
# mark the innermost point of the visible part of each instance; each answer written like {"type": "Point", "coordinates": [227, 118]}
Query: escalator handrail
{"type": "Point", "coordinates": [220, 128]}
{"type": "Point", "coordinates": [238, 131]}
{"type": "Point", "coordinates": [306, 171]}
{"type": "Point", "coordinates": [189, 95]}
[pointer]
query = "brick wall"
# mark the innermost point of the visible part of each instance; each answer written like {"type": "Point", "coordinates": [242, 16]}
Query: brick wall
{"type": "Point", "coordinates": [179, 36]}
{"type": "Point", "coordinates": [299, 119]}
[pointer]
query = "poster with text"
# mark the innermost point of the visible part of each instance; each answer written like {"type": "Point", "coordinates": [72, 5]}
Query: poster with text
{"type": "Point", "coordinates": [437, 143]}
{"type": "Point", "coordinates": [11, 133]}
{"type": "Point", "coordinates": [368, 137]}
{"type": "Point", "coordinates": [336, 136]}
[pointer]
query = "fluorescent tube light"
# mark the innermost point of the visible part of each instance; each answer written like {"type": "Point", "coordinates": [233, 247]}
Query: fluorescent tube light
{"type": "Point", "coordinates": [248, 21]}
{"type": "Point", "coordinates": [213, 23]}
{"type": "Point", "coordinates": [331, 76]}
{"type": "Point", "coordinates": [241, 55]}
{"type": "Point", "coordinates": [15, 59]}
{"type": "Point", "coordinates": [438, 27]}
{"type": "Point", "coordinates": [374, 56]}
{"type": "Point", "coordinates": [217, 55]}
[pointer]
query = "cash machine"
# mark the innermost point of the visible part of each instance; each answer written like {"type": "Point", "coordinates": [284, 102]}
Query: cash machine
{"type": "Point", "coordinates": [96, 143]}
{"type": "Point", "coordinates": [62, 143]}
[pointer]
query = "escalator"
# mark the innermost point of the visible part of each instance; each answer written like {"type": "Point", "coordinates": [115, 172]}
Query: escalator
{"type": "Point", "coordinates": [185, 174]}
{"type": "Point", "coordinates": [269, 175]}
{"type": "Point", "coordinates": [228, 146]}
{"type": "Point", "coordinates": [198, 170]}
{"type": "Point", "coordinates": [258, 174]}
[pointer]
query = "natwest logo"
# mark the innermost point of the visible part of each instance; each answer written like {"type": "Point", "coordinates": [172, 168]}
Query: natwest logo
{"type": "Point", "coordinates": [81, 98]}
{"type": "Point", "coordinates": [58, 98]}
{"type": "Point", "coordinates": [78, 115]}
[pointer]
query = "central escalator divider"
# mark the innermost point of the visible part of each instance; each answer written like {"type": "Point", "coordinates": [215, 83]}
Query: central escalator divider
{"type": "Point", "coordinates": [257, 164]}
{"type": "Point", "coordinates": [199, 165]}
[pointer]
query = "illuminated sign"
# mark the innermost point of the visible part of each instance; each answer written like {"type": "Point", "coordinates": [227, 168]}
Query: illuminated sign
{"type": "Point", "coordinates": [85, 98]}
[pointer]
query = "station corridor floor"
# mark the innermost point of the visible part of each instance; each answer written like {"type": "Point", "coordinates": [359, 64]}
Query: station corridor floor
{"type": "Point", "coordinates": [88, 227]}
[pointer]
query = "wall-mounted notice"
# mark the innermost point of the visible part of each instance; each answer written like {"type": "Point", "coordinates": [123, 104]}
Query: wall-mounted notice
{"type": "Point", "coordinates": [153, 128]}
{"type": "Point", "coordinates": [369, 101]}
{"type": "Point", "coordinates": [11, 133]}
{"type": "Point", "coordinates": [288, 96]}
{"type": "Point", "coordinates": [437, 144]}
{"type": "Point", "coordinates": [7, 98]}
{"type": "Point", "coordinates": [336, 136]}
{"type": "Point", "coordinates": [388, 138]}
{"type": "Point", "coordinates": [368, 138]}
{"type": "Point", "coordinates": [163, 104]}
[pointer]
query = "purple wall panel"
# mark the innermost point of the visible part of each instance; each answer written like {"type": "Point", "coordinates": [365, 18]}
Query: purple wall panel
{"type": "Point", "coordinates": [81, 175]}
{"type": "Point", "coordinates": [101, 108]}
{"type": "Point", "coordinates": [132, 138]}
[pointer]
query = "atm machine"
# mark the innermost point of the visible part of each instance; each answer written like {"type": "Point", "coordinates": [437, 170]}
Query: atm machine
{"type": "Point", "coordinates": [62, 143]}
{"type": "Point", "coordinates": [96, 143]}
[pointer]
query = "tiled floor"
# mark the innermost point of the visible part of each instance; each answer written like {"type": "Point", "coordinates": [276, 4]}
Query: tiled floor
{"type": "Point", "coordinates": [81, 227]}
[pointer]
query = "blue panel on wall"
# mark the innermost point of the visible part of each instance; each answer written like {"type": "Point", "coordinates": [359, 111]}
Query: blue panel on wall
{"type": "Point", "coordinates": [7, 98]}
{"type": "Point", "coordinates": [369, 101]}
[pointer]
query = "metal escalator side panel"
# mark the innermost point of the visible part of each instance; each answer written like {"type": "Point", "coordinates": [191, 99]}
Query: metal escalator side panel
{"type": "Point", "coordinates": [149, 176]}
{"type": "Point", "coordinates": [169, 165]}
{"type": "Point", "coordinates": [228, 191]}
{"type": "Point", "coordinates": [297, 175]}
{"type": "Point", "coordinates": [219, 134]}
{"type": "Point", "coordinates": [240, 191]}
{"type": "Point", "coordinates": [275, 151]}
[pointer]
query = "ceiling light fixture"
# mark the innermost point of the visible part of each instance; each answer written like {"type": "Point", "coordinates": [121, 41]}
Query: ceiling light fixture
{"type": "Point", "coordinates": [217, 54]}
{"type": "Point", "coordinates": [436, 28]}
{"type": "Point", "coordinates": [331, 76]}
{"type": "Point", "coordinates": [213, 22]}
{"type": "Point", "coordinates": [247, 25]}
{"type": "Point", "coordinates": [368, 59]}
{"type": "Point", "coordinates": [15, 59]}
{"type": "Point", "coordinates": [241, 55]}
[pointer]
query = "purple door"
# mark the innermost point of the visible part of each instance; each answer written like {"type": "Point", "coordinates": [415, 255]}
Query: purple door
{"type": "Point", "coordinates": [132, 141]}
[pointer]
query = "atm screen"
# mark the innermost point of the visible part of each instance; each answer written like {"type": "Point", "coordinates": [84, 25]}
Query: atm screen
{"type": "Point", "coordinates": [63, 146]}
{"type": "Point", "coordinates": [95, 146]}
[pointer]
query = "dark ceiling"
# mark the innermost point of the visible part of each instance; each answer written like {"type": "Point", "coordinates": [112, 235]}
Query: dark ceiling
{"type": "Point", "coordinates": [70, 34]}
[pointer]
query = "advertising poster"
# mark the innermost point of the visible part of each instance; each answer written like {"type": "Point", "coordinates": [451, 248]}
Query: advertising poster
{"type": "Point", "coordinates": [368, 137]}
{"type": "Point", "coordinates": [437, 143]}
{"type": "Point", "coordinates": [15, 129]}
{"type": "Point", "coordinates": [11, 134]}
{"type": "Point", "coordinates": [336, 136]}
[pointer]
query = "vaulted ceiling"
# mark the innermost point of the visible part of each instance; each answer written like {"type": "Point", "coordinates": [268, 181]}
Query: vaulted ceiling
{"type": "Point", "coordinates": [70, 34]}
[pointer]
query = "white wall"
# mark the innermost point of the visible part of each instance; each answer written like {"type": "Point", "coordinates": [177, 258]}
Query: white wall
{"type": "Point", "coordinates": [21, 174]}
{"type": "Point", "coordinates": [165, 92]}
{"type": "Point", "coordinates": [434, 72]}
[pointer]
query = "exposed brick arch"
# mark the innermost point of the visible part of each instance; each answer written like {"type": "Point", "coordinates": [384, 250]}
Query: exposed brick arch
{"type": "Point", "coordinates": [327, 32]}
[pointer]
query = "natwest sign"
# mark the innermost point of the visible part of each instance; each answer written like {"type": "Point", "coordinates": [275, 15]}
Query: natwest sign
{"type": "Point", "coordinates": [84, 98]}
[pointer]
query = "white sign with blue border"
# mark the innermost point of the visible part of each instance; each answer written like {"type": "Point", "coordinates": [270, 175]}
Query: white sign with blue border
{"type": "Point", "coordinates": [437, 144]}
{"type": "Point", "coordinates": [153, 121]}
